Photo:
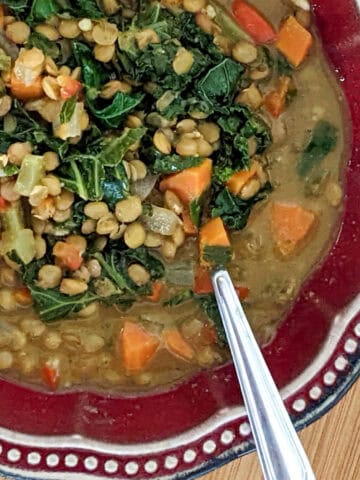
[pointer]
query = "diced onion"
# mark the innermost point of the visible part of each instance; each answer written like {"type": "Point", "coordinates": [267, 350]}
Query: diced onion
{"type": "Point", "coordinates": [161, 221]}
{"type": "Point", "coordinates": [180, 273]}
{"type": "Point", "coordinates": [144, 187]}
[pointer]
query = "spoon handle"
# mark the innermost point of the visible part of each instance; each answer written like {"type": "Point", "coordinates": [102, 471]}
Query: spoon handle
{"type": "Point", "coordinates": [281, 454]}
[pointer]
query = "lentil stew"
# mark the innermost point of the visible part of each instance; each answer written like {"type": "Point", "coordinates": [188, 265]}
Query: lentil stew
{"type": "Point", "coordinates": [142, 144]}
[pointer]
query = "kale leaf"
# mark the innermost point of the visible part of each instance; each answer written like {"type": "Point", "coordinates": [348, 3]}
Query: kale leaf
{"type": "Point", "coordinates": [68, 109]}
{"type": "Point", "coordinates": [323, 140]}
{"type": "Point", "coordinates": [233, 210]}
{"type": "Point", "coordinates": [209, 306]}
{"type": "Point", "coordinates": [179, 298]}
{"type": "Point", "coordinates": [238, 125]}
{"type": "Point", "coordinates": [42, 43]}
{"type": "Point", "coordinates": [83, 175]}
{"type": "Point", "coordinates": [216, 255]}
{"type": "Point", "coordinates": [112, 114]}
{"type": "Point", "coordinates": [116, 186]}
{"type": "Point", "coordinates": [174, 163]}
{"type": "Point", "coordinates": [221, 81]}
{"type": "Point", "coordinates": [115, 264]}
{"type": "Point", "coordinates": [53, 305]}
{"type": "Point", "coordinates": [114, 150]}
{"type": "Point", "coordinates": [27, 129]}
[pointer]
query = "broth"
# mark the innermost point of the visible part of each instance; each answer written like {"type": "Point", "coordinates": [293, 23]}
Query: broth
{"type": "Point", "coordinates": [86, 347]}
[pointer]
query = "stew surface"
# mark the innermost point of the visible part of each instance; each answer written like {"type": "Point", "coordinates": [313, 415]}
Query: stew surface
{"type": "Point", "coordinates": [142, 144]}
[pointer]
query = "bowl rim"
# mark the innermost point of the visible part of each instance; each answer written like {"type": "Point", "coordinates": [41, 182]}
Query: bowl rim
{"type": "Point", "coordinates": [333, 370]}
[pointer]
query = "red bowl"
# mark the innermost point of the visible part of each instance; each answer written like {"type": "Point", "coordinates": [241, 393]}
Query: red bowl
{"type": "Point", "coordinates": [201, 424]}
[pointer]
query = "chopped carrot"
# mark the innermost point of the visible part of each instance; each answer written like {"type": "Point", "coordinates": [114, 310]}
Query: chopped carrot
{"type": "Point", "coordinates": [294, 41]}
{"type": "Point", "coordinates": [191, 183]}
{"type": "Point", "coordinates": [274, 101]}
{"type": "Point", "coordinates": [188, 225]}
{"type": "Point", "coordinates": [242, 292]}
{"type": "Point", "coordinates": [213, 234]}
{"type": "Point", "coordinates": [138, 346]}
{"type": "Point", "coordinates": [51, 374]}
{"type": "Point", "coordinates": [3, 204]}
{"type": "Point", "coordinates": [238, 180]}
{"type": "Point", "coordinates": [202, 283]}
{"type": "Point", "coordinates": [68, 255]}
{"type": "Point", "coordinates": [69, 86]}
{"type": "Point", "coordinates": [157, 291]}
{"type": "Point", "coordinates": [2, 17]}
{"type": "Point", "coordinates": [208, 334]}
{"type": "Point", "coordinates": [290, 225]}
{"type": "Point", "coordinates": [177, 344]}
{"type": "Point", "coordinates": [253, 22]}
{"type": "Point", "coordinates": [22, 295]}
{"type": "Point", "coordinates": [25, 92]}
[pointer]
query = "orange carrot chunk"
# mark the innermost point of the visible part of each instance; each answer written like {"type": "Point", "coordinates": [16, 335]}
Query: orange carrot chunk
{"type": "Point", "coordinates": [188, 225]}
{"type": "Point", "coordinates": [25, 92]}
{"type": "Point", "coordinates": [157, 291]}
{"type": "Point", "coordinates": [176, 344]}
{"type": "Point", "coordinates": [138, 347]}
{"type": "Point", "coordinates": [22, 296]}
{"type": "Point", "coordinates": [3, 204]}
{"type": "Point", "coordinates": [191, 183]}
{"type": "Point", "coordinates": [290, 226]}
{"type": "Point", "coordinates": [253, 22]}
{"type": "Point", "coordinates": [69, 87]}
{"type": "Point", "coordinates": [274, 101]}
{"type": "Point", "coordinates": [213, 234]}
{"type": "Point", "coordinates": [51, 374]}
{"type": "Point", "coordinates": [242, 292]}
{"type": "Point", "coordinates": [202, 283]}
{"type": "Point", "coordinates": [68, 255]}
{"type": "Point", "coordinates": [2, 17]}
{"type": "Point", "coordinates": [238, 180]}
{"type": "Point", "coordinates": [294, 41]}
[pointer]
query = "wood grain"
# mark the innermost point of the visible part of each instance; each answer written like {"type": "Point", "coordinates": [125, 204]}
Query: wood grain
{"type": "Point", "coordinates": [332, 443]}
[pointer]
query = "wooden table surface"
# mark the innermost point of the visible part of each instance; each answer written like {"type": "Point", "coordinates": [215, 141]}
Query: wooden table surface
{"type": "Point", "coordinates": [332, 443]}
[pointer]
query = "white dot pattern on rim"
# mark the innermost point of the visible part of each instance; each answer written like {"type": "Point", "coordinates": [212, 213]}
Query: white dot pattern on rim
{"type": "Point", "coordinates": [52, 460]}
{"type": "Point", "coordinates": [227, 437]}
{"type": "Point", "coordinates": [13, 455]}
{"type": "Point", "coordinates": [329, 378]}
{"type": "Point", "coordinates": [357, 330]}
{"type": "Point", "coordinates": [111, 466]}
{"type": "Point", "coordinates": [131, 468]}
{"type": "Point", "coordinates": [341, 363]}
{"type": "Point", "coordinates": [350, 345]}
{"type": "Point", "coordinates": [91, 463]}
{"type": "Point", "coordinates": [1, 449]}
{"type": "Point", "coordinates": [171, 462]}
{"type": "Point", "coordinates": [315, 392]}
{"type": "Point", "coordinates": [71, 460]}
{"type": "Point", "coordinates": [189, 456]}
{"type": "Point", "coordinates": [244, 429]}
{"type": "Point", "coordinates": [151, 466]}
{"type": "Point", "coordinates": [33, 458]}
{"type": "Point", "coordinates": [299, 405]}
{"type": "Point", "coordinates": [209, 446]}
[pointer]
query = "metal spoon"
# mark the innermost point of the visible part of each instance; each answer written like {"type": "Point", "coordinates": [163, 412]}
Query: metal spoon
{"type": "Point", "coordinates": [281, 454]}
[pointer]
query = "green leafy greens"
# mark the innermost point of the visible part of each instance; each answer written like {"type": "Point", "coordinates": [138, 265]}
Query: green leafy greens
{"type": "Point", "coordinates": [322, 142]}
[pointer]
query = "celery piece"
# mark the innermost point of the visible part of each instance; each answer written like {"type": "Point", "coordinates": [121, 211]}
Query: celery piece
{"type": "Point", "coordinates": [12, 219]}
{"type": "Point", "coordinates": [31, 171]}
{"type": "Point", "coordinates": [229, 27]}
{"type": "Point", "coordinates": [22, 243]}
